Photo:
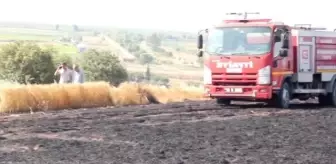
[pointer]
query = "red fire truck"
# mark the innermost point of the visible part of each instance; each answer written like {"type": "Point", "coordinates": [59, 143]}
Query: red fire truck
{"type": "Point", "coordinates": [262, 60]}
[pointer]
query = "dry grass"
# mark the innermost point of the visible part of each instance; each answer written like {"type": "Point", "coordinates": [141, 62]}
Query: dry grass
{"type": "Point", "coordinates": [25, 98]}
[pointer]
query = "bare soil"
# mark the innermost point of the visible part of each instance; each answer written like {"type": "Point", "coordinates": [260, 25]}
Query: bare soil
{"type": "Point", "coordinates": [178, 133]}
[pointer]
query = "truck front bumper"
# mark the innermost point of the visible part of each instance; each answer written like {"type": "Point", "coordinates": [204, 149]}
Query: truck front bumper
{"type": "Point", "coordinates": [239, 92]}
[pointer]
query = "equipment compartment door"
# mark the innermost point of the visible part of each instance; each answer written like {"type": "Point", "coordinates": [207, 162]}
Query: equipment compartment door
{"type": "Point", "coordinates": [305, 58]}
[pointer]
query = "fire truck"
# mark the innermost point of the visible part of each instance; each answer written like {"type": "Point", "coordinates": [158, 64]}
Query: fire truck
{"type": "Point", "coordinates": [267, 61]}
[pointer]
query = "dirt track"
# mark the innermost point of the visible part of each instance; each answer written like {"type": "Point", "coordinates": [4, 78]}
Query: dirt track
{"type": "Point", "coordinates": [181, 133]}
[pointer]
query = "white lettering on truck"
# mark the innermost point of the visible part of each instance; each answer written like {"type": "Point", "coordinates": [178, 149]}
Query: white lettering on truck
{"type": "Point", "coordinates": [231, 64]}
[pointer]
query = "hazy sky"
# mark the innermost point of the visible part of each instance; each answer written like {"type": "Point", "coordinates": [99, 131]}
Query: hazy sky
{"type": "Point", "coordinates": [163, 14]}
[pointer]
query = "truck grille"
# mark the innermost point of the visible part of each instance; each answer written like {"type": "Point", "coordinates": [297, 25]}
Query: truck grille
{"type": "Point", "coordinates": [232, 79]}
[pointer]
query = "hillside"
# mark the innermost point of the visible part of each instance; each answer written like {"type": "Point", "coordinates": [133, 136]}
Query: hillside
{"type": "Point", "coordinates": [174, 52]}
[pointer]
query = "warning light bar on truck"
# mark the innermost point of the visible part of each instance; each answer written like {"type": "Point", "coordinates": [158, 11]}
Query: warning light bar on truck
{"type": "Point", "coordinates": [248, 20]}
{"type": "Point", "coordinates": [245, 14]}
{"type": "Point", "coordinates": [245, 20]}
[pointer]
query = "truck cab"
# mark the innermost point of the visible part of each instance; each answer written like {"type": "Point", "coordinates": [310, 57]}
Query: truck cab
{"type": "Point", "coordinates": [258, 60]}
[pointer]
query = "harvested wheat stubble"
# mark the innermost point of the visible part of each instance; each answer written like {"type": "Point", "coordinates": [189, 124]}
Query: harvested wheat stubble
{"type": "Point", "coordinates": [25, 98]}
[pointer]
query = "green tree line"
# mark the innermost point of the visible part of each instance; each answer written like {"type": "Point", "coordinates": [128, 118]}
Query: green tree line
{"type": "Point", "coordinates": [29, 63]}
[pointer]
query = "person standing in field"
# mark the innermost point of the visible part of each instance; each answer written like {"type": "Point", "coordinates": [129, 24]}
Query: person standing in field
{"type": "Point", "coordinates": [65, 73]}
{"type": "Point", "coordinates": [77, 74]}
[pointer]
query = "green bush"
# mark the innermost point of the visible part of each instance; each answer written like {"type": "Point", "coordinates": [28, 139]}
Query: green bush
{"type": "Point", "coordinates": [146, 58]}
{"type": "Point", "coordinates": [160, 80]}
{"type": "Point", "coordinates": [95, 33]}
{"type": "Point", "coordinates": [133, 48]}
{"type": "Point", "coordinates": [138, 53]}
{"type": "Point", "coordinates": [155, 79]}
{"type": "Point", "coordinates": [102, 66]}
{"type": "Point", "coordinates": [25, 62]}
{"type": "Point", "coordinates": [158, 49]}
{"type": "Point", "coordinates": [136, 76]}
{"type": "Point", "coordinates": [154, 40]}
{"type": "Point", "coordinates": [168, 54]}
{"type": "Point", "coordinates": [59, 58]}
{"type": "Point", "coordinates": [194, 84]}
{"type": "Point", "coordinates": [167, 62]}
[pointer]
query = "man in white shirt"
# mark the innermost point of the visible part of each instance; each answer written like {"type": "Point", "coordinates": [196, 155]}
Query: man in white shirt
{"type": "Point", "coordinates": [65, 74]}
{"type": "Point", "coordinates": [77, 74]}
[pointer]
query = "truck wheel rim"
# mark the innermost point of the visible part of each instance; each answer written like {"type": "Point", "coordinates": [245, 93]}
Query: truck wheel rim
{"type": "Point", "coordinates": [285, 96]}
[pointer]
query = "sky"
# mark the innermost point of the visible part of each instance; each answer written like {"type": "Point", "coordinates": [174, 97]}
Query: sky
{"type": "Point", "coordinates": [183, 15]}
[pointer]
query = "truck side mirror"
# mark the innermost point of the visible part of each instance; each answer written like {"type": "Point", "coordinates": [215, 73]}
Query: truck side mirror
{"type": "Point", "coordinates": [277, 35]}
{"type": "Point", "coordinates": [277, 39]}
{"type": "Point", "coordinates": [283, 53]}
{"type": "Point", "coordinates": [285, 41]}
{"type": "Point", "coordinates": [200, 53]}
{"type": "Point", "coordinates": [200, 41]}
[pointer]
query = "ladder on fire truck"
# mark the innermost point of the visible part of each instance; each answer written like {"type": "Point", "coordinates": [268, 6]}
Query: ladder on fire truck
{"type": "Point", "coordinates": [307, 27]}
{"type": "Point", "coordinates": [245, 14]}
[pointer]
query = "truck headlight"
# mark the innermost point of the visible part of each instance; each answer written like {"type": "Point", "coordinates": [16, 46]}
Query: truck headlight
{"type": "Point", "coordinates": [207, 79]}
{"type": "Point", "coordinates": [264, 75]}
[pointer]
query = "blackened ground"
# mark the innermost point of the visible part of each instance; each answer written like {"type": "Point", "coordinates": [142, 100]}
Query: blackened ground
{"type": "Point", "coordinates": [178, 133]}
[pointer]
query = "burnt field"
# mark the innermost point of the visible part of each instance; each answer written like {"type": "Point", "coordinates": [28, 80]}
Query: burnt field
{"type": "Point", "coordinates": [178, 133]}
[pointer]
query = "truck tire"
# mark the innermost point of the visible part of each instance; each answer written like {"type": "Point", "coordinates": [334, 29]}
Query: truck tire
{"type": "Point", "coordinates": [272, 102]}
{"type": "Point", "coordinates": [325, 100]}
{"type": "Point", "coordinates": [283, 99]}
{"type": "Point", "coordinates": [329, 99]}
{"type": "Point", "coordinates": [222, 101]}
{"type": "Point", "coordinates": [333, 96]}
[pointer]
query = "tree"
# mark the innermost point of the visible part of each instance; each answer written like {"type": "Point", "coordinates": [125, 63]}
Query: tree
{"type": "Point", "coordinates": [26, 63]}
{"type": "Point", "coordinates": [154, 40]}
{"type": "Point", "coordinates": [103, 66]}
{"type": "Point", "coordinates": [77, 38]}
{"type": "Point", "coordinates": [133, 47]}
{"type": "Point", "coordinates": [75, 27]}
{"type": "Point", "coordinates": [95, 33]}
{"type": "Point", "coordinates": [57, 27]}
{"type": "Point", "coordinates": [148, 73]}
{"type": "Point", "coordinates": [146, 58]}
{"type": "Point", "coordinates": [139, 38]}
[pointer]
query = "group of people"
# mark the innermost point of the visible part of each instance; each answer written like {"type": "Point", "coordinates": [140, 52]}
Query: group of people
{"type": "Point", "coordinates": [67, 75]}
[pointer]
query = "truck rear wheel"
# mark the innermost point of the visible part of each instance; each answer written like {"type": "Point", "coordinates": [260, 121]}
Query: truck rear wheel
{"type": "Point", "coordinates": [329, 99]}
{"type": "Point", "coordinates": [283, 99]}
{"type": "Point", "coordinates": [223, 101]}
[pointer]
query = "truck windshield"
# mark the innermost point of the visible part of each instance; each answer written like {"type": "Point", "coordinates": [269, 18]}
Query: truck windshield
{"type": "Point", "coordinates": [239, 41]}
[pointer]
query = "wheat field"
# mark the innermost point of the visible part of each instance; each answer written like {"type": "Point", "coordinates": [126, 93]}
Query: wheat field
{"type": "Point", "coordinates": [31, 98]}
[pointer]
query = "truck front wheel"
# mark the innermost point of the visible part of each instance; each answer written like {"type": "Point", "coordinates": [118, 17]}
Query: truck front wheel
{"type": "Point", "coordinates": [222, 101]}
{"type": "Point", "coordinates": [283, 99]}
{"type": "Point", "coordinates": [325, 100]}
